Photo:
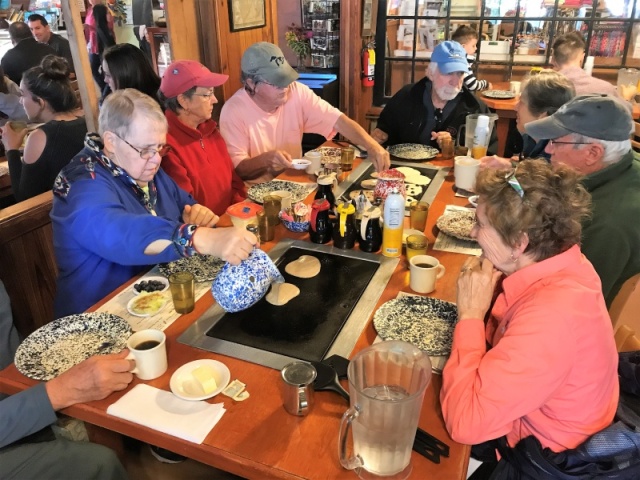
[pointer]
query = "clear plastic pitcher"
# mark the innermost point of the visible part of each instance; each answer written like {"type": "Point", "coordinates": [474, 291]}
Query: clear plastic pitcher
{"type": "Point", "coordinates": [627, 84]}
{"type": "Point", "coordinates": [387, 382]}
{"type": "Point", "coordinates": [469, 129]}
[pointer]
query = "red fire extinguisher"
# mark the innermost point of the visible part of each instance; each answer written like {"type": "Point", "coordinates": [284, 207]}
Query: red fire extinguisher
{"type": "Point", "coordinates": [368, 66]}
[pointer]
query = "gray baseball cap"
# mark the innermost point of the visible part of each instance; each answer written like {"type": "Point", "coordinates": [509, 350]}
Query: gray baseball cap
{"type": "Point", "coordinates": [267, 60]}
{"type": "Point", "coordinates": [596, 116]}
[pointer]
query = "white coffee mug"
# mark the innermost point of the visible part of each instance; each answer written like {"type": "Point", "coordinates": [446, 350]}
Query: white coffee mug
{"type": "Point", "coordinates": [515, 87]}
{"type": "Point", "coordinates": [424, 270]}
{"type": "Point", "coordinates": [465, 171]}
{"type": "Point", "coordinates": [149, 350]}
{"type": "Point", "coordinates": [285, 198]}
{"type": "Point", "coordinates": [316, 161]}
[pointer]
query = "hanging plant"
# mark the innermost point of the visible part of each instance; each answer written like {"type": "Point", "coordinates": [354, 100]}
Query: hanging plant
{"type": "Point", "coordinates": [117, 9]}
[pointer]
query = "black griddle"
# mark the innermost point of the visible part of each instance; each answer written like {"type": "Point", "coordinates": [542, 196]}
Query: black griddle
{"type": "Point", "coordinates": [306, 327]}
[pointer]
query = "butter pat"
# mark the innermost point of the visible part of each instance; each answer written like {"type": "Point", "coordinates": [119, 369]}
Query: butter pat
{"type": "Point", "coordinates": [204, 376]}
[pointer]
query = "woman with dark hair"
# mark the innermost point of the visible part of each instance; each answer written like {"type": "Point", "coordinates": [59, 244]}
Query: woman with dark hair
{"type": "Point", "coordinates": [126, 66]}
{"type": "Point", "coordinates": [48, 98]}
{"type": "Point", "coordinates": [99, 23]}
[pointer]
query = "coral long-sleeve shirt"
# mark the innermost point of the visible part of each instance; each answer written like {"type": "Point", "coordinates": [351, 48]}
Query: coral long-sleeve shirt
{"type": "Point", "coordinates": [552, 369]}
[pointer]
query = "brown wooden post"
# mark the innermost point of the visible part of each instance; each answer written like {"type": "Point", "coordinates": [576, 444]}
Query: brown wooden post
{"type": "Point", "coordinates": [86, 85]}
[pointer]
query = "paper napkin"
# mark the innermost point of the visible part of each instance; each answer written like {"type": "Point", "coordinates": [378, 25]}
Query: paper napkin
{"type": "Point", "coordinates": [163, 411]}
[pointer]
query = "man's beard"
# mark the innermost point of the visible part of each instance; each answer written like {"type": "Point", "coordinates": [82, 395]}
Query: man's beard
{"type": "Point", "coordinates": [447, 92]}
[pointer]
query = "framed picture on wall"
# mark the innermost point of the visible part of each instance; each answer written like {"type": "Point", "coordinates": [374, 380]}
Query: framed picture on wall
{"type": "Point", "coordinates": [369, 11]}
{"type": "Point", "coordinates": [246, 14]}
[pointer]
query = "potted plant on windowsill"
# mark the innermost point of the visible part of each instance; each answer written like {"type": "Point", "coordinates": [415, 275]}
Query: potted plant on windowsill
{"type": "Point", "coordinates": [298, 41]}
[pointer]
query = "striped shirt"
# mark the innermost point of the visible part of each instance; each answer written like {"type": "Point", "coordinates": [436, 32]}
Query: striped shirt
{"type": "Point", "coordinates": [470, 80]}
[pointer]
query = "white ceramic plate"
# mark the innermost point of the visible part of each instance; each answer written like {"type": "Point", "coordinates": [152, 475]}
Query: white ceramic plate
{"type": "Point", "coordinates": [157, 278]}
{"type": "Point", "coordinates": [184, 385]}
{"type": "Point", "coordinates": [147, 312]}
{"type": "Point", "coordinates": [59, 345]}
{"type": "Point", "coordinates": [425, 322]}
{"type": "Point", "coordinates": [300, 163]}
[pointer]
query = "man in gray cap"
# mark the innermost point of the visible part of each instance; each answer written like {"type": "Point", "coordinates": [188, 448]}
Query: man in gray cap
{"type": "Point", "coordinates": [435, 107]}
{"type": "Point", "coordinates": [591, 134]}
{"type": "Point", "coordinates": [263, 122]}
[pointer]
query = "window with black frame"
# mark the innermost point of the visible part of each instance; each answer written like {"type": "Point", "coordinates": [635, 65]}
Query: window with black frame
{"type": "Point", "coordinates": [512, 33]}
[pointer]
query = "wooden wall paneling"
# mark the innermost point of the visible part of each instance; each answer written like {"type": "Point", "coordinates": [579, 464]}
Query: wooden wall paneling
{"type": "Point", "coordinates": [78, 44]}
{"type": "Point", "coordinates": [27, 261]}
{"type": "Point", "coordinates": [223, 49]}
{"type": "Point", "coordinates": [184, 29]}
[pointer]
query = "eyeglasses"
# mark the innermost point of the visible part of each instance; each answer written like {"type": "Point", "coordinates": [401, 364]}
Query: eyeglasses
{"type": "Point", "coordinates": [207, 95]}
{"type": "Point", "coordinates": [274, 86]}
{"type": "Point", "coordinates": [513, 181]}
{"type": "Point", "coordinates": [148, 153]}
{"type": "Point", "coordinates": [555, 142]}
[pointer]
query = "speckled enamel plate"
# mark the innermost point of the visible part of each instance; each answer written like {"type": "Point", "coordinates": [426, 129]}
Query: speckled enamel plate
{"type": "Point", "coordinates": [457, 224]}
{"type": "Point", "coordinates": [59, 345]}
{"type": "Point", "coordinates": [330, 154]}
{"type": "Point", "coordinates": [412, 151]}
{"type": "Point", "coordinates": [204, 267]}
{"type": "Point", "coordinates": [298, 191]}
{"type": "Point", "coordinates": [500, 94]}
{"type": "Point", "coordinates": [425, 322]}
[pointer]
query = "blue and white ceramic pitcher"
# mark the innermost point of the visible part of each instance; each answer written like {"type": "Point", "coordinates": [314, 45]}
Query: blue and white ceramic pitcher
{"type": "Point", "coordinates": [237, 287]}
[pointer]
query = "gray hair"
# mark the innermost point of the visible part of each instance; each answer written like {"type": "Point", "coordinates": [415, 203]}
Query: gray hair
{"type": "Point", "coordinates": [254, 77]}
{"type": "Point", "coordinates": [432, 67]}
{"type": "Point", "coordinates": [546, 92]}
{"type": "Point", "coordinates": [614, 150]}
{"type": "Point", "coordinates": [172, 103]}
{"type": "Point", "coordinates": [118, 110]}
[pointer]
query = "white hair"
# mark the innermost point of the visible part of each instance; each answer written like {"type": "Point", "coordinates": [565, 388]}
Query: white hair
{"type": "Point", "coordinates": [432, 67]}
{"type": "Point", "coordinates": [614, 150]}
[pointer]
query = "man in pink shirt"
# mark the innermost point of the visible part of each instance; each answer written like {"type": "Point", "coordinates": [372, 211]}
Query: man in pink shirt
{"type": "Point", "coordinates": [567, 58]}
{"type": "Point", "coordinates": [263, 122]}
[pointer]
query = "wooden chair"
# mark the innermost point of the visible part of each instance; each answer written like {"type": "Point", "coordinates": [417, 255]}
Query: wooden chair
{"type": "Point", "coordinates": [625, 309]}
{"type": "Point", "coordinates": [626, 340]}
{"type": "Point", "coordinates": [27, 262]}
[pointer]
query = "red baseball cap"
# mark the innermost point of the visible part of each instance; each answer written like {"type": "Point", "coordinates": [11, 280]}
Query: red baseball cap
{"type": "Point", "coordinates": [182, 75]}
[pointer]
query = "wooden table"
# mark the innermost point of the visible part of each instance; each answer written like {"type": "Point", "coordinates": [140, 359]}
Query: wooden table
{"type": "Point", "coordinates": [256, 438]}
{"type": "Point", "coordinates": [506, 110]}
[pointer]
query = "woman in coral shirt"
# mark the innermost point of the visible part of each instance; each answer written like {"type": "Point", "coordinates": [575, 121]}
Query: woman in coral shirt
{"type": "Point", "coordinates": [545, 362]}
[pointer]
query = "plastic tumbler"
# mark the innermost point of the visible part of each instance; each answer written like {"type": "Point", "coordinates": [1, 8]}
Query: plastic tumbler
{"type": "Point", "coordinates": [183, 291]}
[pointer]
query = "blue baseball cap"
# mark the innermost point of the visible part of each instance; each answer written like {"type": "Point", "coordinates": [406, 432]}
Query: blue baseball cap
{"type": "Point", "coordinates": [450, 57]}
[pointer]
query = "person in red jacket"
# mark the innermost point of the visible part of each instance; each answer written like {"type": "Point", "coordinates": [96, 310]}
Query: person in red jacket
{"type": "Point", "coordinates": [198, 160]}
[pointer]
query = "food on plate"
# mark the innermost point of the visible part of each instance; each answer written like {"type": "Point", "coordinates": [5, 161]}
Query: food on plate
{"type": "Point", "coordinates": [282, 293]}
{"type": "Point", "coordinates": [306, 266]}
{"type": "Point", "coordinates": [408, 171]}
{"type": "Point", "coordinates": [413, 190]}
{"type": "Point", "coordinates": [150, 286]}
{"type": "Point", "coordinates": [147, 303]}
{"type": "Point", "coordinates": [204, 376]}
{"type": "Point", "coordinates": [369, 183]}
{"type": "Point", "coordinates": [418, 180]}
{"type": "Point", "coordinates": [408, 201]}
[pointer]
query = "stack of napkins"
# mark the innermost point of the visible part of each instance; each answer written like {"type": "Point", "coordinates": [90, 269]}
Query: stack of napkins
{"type": "Point", "coordinates": [163, 411]}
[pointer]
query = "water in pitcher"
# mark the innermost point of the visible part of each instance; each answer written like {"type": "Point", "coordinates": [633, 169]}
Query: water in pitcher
{"type": "Point", "coordinates": [383, 451]}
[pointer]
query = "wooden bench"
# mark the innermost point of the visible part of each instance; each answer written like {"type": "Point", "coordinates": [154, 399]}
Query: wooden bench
{"type": "Point", "coordinates": [27, 262]}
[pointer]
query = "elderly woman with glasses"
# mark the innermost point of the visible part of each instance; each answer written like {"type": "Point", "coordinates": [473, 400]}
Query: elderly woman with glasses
{"type": "Point", "coordinates": [543, 362]}
{"type": "Point", "coordinates": [115, 212]}
{"type": "Point", "coordinates": [198, 161]}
